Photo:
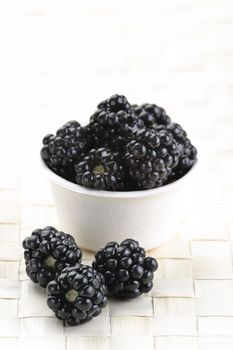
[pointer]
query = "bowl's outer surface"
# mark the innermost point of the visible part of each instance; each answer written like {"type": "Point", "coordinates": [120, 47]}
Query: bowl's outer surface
{"type": "Point", "coordinates": [151, 217]}
{"type": "Point", "coordinates": [94, 221]}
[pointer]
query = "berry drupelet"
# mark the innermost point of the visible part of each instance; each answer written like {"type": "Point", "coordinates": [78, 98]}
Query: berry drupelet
{"type": "Point", "coordinates": [47, 252]}
{"type": "Point", "coordinates": [150, 157]}
{"type": "Point", "coordinates": [100, 170]}
{"type": "Point", "coordinates": [77, 295]}
{"type": "Point", "coordinates": [127, 272]}
{"type": "Point", "coordinates": [188, 151]}
{"type": "Point", "coordinates": [68, 146]}
{"type": "Point", "coordinates": [151, 115]}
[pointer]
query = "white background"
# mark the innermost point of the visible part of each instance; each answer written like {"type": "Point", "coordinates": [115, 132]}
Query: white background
{"type": "Point", "coordinates": [60, 58]}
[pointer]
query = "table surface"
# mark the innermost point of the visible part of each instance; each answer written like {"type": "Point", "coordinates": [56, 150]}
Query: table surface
{"type": "Point", "coordinates": [58, 59]}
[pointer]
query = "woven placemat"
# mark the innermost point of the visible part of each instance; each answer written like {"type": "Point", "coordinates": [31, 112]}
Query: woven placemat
{"type": "Point", "coordinates": [190, 306]}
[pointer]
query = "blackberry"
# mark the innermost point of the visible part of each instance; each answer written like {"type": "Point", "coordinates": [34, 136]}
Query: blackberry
{"type": "Point", "coordinates": [47, 252]}
{"type": "Point", "coordinates": [150, 157]}
{"type": "Point", "coordinates": [127, 272]}
{"type": "Point", "coordinates": [152, 115]}
{"type": "Point", "coordinates": [188, 151]}
{"type": "Point", "coordinates": [68, 146]}
{"type": "Point", "coordinates": [100, 170]}
{"type": "Point", "coordinates": [115, 103]}
{"type": "Point", "coordinates": [77, 295]}
{"type": "Point", "coordinates": [113, 128]}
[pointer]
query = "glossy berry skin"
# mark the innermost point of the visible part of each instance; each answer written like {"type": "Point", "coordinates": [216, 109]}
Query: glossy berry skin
{"type": "Point", "coordinates": [69, 145]}
{"type": "Point", "coordinates": [188, 151]}
{"type": "Point", "coordinates": [47, 252]}
{"type": "Point", "coordinates": [100, 170]}
{"type": "Point", "coordinates": [127, 272]}
{"type": "Point", "coordinates": [118, 150]}
{"type": "Point", "coordinates": [117, 123]}
{"type": "Point", "coordinates": [112, 124]}
{"type": "Point", "coordinates": [151, 115]}
{"type": "Point", "coordinates": [77, 295]}
{"type": "Point", "coordinates": [150, 157]}
{"type": "Point", "coordinates": [116, 103]}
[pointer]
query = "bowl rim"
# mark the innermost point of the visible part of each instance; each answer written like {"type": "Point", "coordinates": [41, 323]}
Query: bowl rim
{"type": "Point", "coordinates": [58, 180]}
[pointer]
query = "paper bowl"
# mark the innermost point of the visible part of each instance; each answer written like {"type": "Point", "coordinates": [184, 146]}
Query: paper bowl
{"type": "Point", "coordinates": [96, 217]}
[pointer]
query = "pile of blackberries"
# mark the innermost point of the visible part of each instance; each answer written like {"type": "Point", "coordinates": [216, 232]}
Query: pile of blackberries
{"type": "Point", "coordinates": [123, 148]}
{"type": "Point", "coordinates": [75, 292]}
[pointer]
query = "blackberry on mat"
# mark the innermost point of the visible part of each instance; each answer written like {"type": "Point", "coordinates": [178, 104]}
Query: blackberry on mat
{"type": "Point", "coordinates": [60, 151]}
{"type": "Point", "coordinates": [127, 272]}
{"type": "Point", "coordinates": [151, 115]}
{"type": "Point", "coordinates": [47, 252]}
{"type": "Point", "coordinates": [77, 295]}
{"type": "Point", "coordinates": [150, 157]}
{"type": "Point", "coordinates": [100, 170]}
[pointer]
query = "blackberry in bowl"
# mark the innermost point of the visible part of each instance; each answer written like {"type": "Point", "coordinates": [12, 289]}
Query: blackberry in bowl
{"type": "Point", "coordinates": [99, 170]}
{"type": "Point", "coordinates": [116, 103]}
{"type": "Point", "coordinates": [47, 252]}
{"type": "Point", "coordinates": [150, 157]}
{"type": "Point", "coordinates": [113, 129]}
{"type": "Point", "coordinates": [125, 173]}
{"type": "Point", "coordinates": [127, 271]}
{"type": "Point", "coordinates": [60, 151]}
{"type": "Point", "coordinates": [188, 152]}
{"type": "Point", "coordinates": [77, 295]}
{"type": "Point", "coordinates": [152, 115]}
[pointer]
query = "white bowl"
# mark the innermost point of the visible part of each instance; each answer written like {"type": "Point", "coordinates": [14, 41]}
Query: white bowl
{"type": "Point", "coordinates": [96, 217]}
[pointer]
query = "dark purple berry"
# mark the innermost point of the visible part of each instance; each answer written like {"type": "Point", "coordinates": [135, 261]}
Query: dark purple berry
{"type": "Point", "coordinates": [126, 270]}
{"type": "Point", "coordinates": [77, 296]}
{"type": "Point", "coordinates": [100, 170]}
{"type": "Point", "coordinates": [47, 252]}
{"type": "Point", "coordinates": [150, 157]}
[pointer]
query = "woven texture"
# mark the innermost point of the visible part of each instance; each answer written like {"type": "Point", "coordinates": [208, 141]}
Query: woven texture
{"type": "Point", "coordinates": [175, 53]}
